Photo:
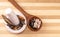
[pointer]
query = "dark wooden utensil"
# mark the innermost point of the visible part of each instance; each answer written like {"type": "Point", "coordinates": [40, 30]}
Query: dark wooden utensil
{"type": "Point", "coordinates": [31, 20]}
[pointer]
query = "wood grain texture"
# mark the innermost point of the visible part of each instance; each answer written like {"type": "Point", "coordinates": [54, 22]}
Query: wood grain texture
{"type": "Point", "coordinates": [34, 1]}
{"type": "Point", "coordinates": [47, 10]}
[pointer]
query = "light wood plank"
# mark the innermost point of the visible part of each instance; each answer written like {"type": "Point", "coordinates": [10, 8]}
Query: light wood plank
{"type": "Point", "coordinates": [30, 35]}
{"type": "Point", "coordinates": [34, 7]}
{"type": "Point", "coordinates": [34, 1]}
{"type": "Point", "coordinates": [30, 4]}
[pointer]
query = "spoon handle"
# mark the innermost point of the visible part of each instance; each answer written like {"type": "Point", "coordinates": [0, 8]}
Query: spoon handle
{"type": "Point", "coordinates": [19, 8]}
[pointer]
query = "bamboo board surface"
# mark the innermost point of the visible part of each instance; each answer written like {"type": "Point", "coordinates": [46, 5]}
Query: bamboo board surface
{"type": "Point", "coordinates": [47, 10]}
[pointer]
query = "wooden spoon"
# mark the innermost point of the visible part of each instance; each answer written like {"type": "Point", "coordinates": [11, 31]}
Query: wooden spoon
{"type": "Point", "coordinates": [34, 23]}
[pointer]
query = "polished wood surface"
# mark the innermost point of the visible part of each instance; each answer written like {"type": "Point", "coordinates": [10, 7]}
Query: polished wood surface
{"type": "Point", "coordinates": [47, 10]}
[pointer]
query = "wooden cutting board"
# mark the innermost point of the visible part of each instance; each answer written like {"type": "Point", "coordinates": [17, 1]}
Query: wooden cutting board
{"type": "Point", "coordinates": [47, 10]}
